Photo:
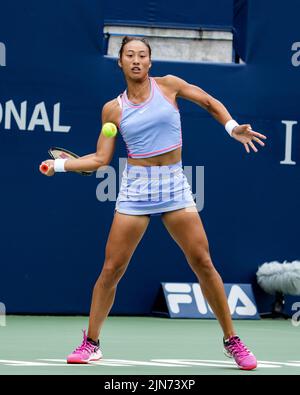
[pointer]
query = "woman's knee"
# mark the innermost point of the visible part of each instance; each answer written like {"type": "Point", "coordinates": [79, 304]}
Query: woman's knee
{"type": "Point", "coordinates": [111, 273]}
{"type": "Point", "coordinates": [200, 261]}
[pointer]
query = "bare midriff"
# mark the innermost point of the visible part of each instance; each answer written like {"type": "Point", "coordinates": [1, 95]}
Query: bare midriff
{"type": "Point", "coordinates": [169, 158]}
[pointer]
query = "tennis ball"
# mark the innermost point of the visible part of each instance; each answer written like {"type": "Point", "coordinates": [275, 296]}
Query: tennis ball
{"type": "Point", "coordinates": [109, 129]}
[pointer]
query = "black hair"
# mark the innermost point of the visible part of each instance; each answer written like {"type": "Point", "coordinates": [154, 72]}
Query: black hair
{"type": "Point", "coordinates": [128, 39]}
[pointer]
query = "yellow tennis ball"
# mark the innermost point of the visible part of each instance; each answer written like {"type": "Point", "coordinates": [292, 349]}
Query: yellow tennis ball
{"type": "Point", "coordinates": [109, 129]}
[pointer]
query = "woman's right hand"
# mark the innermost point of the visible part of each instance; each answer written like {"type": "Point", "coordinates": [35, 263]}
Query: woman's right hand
{"type": "Point", "coordinates": [50, 163]}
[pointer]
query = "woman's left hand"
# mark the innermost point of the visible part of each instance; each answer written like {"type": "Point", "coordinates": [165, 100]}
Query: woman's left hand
{"type": "Point", "coordinates": [245, 135]}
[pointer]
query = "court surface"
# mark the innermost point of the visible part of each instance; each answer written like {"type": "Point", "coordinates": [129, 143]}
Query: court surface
{"type": "Point", "coordinates": [145, 346]}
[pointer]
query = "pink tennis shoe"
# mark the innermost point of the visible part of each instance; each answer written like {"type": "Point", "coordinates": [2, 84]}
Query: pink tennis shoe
{"type": "Point", "coordinates": [233, 348]}
{"type": "Point", "coordinates": [86, 352]}
{"type": "Point", "coordinates": [236, 349]}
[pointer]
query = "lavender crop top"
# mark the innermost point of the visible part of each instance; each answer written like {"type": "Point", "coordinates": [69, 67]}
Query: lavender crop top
{"type": "Point", "coordinates": [150, 128]}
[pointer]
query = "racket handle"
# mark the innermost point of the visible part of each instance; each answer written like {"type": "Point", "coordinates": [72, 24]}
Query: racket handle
{"type": "Point", "coordinates": [44, 168]}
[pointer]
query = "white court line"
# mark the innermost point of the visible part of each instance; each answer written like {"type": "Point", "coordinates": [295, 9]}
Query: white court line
{"type": "Point", "coordinates": [27, 363]}
{"type": "Point", "coordinates": [120, 362]}
{"type": "Point", "coordinates": [195, 362]}
{"type": "Point", "coordinates": [289, 363]}
{"type": "Point", "coordinates": [103, 362]}
{"type": "Point", "coordinates": [143, 363]}
{"type": "Point", "coordinates": [182, 363]}
{"type": "Point", "coordinates": [230, 362]}
{"type": "Point", "coordinates": [210, 362]}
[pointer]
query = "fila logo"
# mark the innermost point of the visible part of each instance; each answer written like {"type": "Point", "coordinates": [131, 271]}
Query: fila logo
{"type": "Point", "coordinates": [187, 300]}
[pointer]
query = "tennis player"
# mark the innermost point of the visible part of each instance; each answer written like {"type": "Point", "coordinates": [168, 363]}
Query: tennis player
{"type": "Point", "coordinates": [153, 182]}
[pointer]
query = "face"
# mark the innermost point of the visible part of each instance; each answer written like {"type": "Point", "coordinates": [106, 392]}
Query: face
{"type": "Point", "coordinates": [135, 61]}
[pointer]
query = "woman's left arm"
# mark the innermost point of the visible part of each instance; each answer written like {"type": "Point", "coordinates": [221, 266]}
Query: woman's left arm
{"type": "Point", "coordinates": [242, 133]}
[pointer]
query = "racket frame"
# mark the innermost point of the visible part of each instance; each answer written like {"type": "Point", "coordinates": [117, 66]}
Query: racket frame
{"type": "Point", "coordinates": [71, 154]}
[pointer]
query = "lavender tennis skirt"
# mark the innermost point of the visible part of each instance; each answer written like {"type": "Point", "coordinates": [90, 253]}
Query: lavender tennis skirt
{"type": "Point", "coordinates": [153, 190]}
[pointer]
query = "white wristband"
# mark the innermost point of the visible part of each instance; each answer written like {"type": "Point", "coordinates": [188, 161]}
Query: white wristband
{"type": "Point", "coordinates": [59, 165]}
{"type": "Point", "coordinates": [230, 125]}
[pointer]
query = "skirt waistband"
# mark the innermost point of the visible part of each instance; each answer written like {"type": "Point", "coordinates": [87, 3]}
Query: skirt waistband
{"type": "Point", "coordinates": [134, 171]}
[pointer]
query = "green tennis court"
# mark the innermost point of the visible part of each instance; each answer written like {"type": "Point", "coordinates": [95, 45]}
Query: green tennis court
{"type": "Point", "coordinates": [145, 346]}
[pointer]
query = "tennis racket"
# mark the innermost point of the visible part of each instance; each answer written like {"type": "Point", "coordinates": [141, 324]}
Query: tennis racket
{"type": "Point", "coordinates": [62, 153]}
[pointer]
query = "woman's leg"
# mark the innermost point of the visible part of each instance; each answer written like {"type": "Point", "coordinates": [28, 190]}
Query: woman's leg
{"type": "Point", "coordinates": [125, 234]}
{"type": "Point", "coordinates": [185, 226]}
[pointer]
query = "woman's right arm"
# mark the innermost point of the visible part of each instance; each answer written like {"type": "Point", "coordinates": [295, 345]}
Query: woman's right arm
{"type": "Point", "coordinates": [105, 146]}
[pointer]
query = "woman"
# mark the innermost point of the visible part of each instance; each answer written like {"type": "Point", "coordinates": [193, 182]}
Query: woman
{"type": "Point", "coordinates": [153, 183]}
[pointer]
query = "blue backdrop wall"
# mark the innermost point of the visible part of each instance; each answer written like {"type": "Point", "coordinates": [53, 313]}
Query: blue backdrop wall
{"type": "Point", "coordinates": [55, 78]}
